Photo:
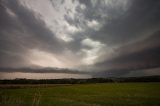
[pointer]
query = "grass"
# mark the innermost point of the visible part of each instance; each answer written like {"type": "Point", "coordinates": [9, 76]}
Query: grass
{"type": "Point", "coordinates": [106, 94]}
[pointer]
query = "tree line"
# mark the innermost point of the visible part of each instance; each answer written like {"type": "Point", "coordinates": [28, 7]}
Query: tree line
{"type": "Point", "coordinates": [81, 81]}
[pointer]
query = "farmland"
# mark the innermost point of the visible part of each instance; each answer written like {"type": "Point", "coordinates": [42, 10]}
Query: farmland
{"type": "Point", "coordinates": [98, 94]}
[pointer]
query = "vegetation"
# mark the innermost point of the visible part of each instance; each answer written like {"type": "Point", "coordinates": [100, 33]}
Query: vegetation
{"type": "Point", "coordinates": [82, 81]}
{"type": "Point", "coordinates": [97, 94]}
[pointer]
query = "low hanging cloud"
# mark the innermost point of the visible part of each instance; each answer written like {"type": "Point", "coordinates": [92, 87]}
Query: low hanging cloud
{"type": "Point", "coordinates": [97, 37]}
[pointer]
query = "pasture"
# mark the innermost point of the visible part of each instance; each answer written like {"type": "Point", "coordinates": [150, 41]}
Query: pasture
{"type": "Point", "coordinates": [98, 94]}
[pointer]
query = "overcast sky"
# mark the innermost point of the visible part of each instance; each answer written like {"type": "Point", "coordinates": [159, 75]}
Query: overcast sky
{"type": "Point", "coordinates": [99, 37]}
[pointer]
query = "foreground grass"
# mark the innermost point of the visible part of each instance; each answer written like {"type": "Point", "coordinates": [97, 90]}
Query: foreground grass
{"type": "Point", "coordinates": [109, 94]}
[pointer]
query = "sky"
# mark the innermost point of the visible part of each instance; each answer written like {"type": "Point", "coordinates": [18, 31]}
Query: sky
{"type": "Point", "coordinates": [79, 38]}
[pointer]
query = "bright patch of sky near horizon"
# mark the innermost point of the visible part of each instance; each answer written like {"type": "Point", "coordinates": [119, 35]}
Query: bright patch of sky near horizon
{"type": "Point", "coordinates": [14, 75]}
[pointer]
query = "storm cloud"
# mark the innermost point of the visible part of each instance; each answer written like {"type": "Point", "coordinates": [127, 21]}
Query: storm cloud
{"type": "Point", "coordinates": [97, 37]}
{"type": "Point", "coordinates": [20, 31]}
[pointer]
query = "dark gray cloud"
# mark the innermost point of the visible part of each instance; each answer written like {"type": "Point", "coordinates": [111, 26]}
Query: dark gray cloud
{"type": "Point", "coordinates": [127, 33]}
{"type": "Point", "coordinates": [122, 23]}
{"type": "Point", "coordinates": [133, 57]}
{"type": "Point", "coordinates": [134, 32]}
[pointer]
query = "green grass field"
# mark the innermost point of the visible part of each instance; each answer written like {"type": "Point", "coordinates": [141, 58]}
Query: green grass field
{"type": "Point", "coordinates": [109, 94]}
